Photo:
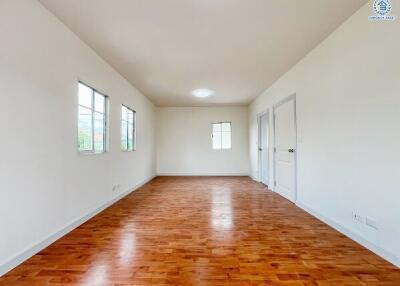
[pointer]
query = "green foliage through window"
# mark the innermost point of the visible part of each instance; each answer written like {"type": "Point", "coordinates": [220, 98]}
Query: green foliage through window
{"type": "Point", "coordinates": [128, 128]}
{"type": "Point", "coordinates": [91, 120]}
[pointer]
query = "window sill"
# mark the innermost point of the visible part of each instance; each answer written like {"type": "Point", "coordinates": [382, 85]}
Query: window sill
{"type": "Point", "coordinates": [92, 153]}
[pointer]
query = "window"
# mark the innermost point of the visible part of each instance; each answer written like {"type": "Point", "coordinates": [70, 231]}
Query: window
{"type": "Point", "coordinates": [221, 136]}
{"type": "Point", "coordinates": [128, 129]}
{"type": "Point", "coordinates": [92, 120]}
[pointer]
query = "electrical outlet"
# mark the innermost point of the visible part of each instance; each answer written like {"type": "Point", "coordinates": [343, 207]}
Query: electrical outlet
{"type": "Point", "coordinates": [357, 217]}
{"type": "Point", "coordinates": [371, 223]}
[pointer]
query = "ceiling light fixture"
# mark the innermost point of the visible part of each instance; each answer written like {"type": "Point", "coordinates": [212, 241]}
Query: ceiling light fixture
{"type": "Point", "coordinates": [202, 93]}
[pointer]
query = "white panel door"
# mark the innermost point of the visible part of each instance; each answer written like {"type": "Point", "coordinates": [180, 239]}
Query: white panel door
{"type": "Point", "coordinates": [285, 149]}
{"type": "Point", "coordinates": [263, 149]}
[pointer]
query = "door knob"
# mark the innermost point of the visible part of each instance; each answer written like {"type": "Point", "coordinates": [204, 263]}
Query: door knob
{"type": "Point", "coordinates": [291, 150]}
{"type": "Point", "coordinates": [259, 149]}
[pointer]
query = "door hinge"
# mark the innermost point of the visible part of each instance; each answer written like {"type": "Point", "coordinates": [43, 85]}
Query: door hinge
{"type": "Point", "coordinates": [274, 149]}
{"type": "Point", "coordinates": [275, 183]}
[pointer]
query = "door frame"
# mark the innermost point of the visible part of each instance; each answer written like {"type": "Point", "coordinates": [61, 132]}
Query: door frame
{"type": "Point", "coordinates": [259, 115]}
{"type": "Point", "coordinates": [276, 105]}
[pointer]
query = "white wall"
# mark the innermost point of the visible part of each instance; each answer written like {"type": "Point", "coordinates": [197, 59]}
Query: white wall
{"type": "Point", "coordinates": [348, 115]}
{"type": "Point", "coordinates": [45, 185]}
{"type": "Point", "coordinates": [184, 141]}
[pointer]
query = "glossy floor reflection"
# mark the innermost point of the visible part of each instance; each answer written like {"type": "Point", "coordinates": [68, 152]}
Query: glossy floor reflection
{"type": "Point", "coordinates": [204, 231]}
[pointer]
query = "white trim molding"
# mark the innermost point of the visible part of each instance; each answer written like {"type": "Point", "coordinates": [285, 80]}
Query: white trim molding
{"type": "Point", "coordinates": [203, 175]}
{"type": "Point", "coordinates": [37, 247]}
{"type": "Point", "coordinates": [255, 178]}
{"type": "Point", "coordinates": [350, 234]}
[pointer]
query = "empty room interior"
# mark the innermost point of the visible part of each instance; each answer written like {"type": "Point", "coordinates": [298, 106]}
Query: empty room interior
{"type": "Point", "coordinates": [188, 142]}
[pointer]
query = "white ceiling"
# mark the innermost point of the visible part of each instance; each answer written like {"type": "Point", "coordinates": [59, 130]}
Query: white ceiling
{"type": "Point", "coordinates": [167, 48]}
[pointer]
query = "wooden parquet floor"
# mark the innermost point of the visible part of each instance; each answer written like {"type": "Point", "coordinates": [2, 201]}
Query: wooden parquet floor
{"type": "Point", "coordinates": [204, 231]}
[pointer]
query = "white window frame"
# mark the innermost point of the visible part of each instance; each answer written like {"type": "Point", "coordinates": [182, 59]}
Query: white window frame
{"type": "Point", "coordinates": [212, 136]}
{"type": "Point", "coordinates": [93, 111]}
{"type": "Point", "coordinates": [127, 130]}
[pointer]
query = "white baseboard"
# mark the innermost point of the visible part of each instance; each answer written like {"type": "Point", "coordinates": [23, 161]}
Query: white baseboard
{"type": "Point", "coordinates": [203, 174]}
{"type": "Point", "coordinates": [350, 234]}
{"type": "Point", "coordinates": [37, 247]}
{"type": "Point", "coordinates": [255, 179]}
